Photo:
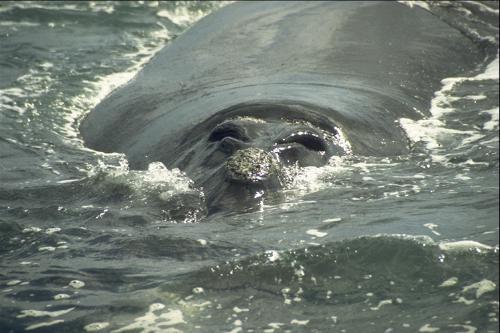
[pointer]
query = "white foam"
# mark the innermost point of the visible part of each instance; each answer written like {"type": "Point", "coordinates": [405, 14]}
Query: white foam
{"type": "Point", "coordinates": [181, 16]}
{"type": "Point", "coordinates": [450, 282]}
{"type": "Point", "coordinates": [201, 305]}
{"type": "Point", "coordinates": [412, 3]}
{"type": "Point", "coordinates": [311, 179]}
{"type": "Point", "coordinates": [152, 322]}
{"type": "Point", "coordinates": [471, 139]}
{"type": "Point", "coordinates": [44, 324]}
{"type": "Point", "coordinates": [18, 24]}
{"type": "Point", "coordinates": [99, 90]}
{"type": "Point", "coordinates": [464, 245]}
{"type": "Point", "coordinates": [96, 326]}
{"type": "Point", "coordinates": [490, 73]}
{"type": "Point", "coordinates": [47, 248]}
{"type": "Point", "coordinates": [381, 304]}
{"type": "Point", "coordinates": [420, 239]}
{"type": "Point", "coordinates": [483, 7]}
{"type": "Point", "coordinates": [464, 300]}
{"type": "Point", "coordinates": [158, 173]}
{"type": "Point", "coordinates": [476, 97]}
{"type": "Point", "coordinates": [427, 328]}
{"type": "Point", "coordinates": [37, 313]}
{"type": "Point", "coordinates": [316, 233]}
{"type": "Point", "coordinates": [431, 227]}
{"type": "Point", "coordinates": [492, 124]}
{"type": "Point", "coordinates": [158, 182]}
{"type": "Point", "coordinates": [433, 131]}
{"type": "Point", "coordinates": [13, 282]}
{"type": "Point", "coordinates": [52, 230]}
{"type": "Point", "coordinates": [481, 287]}
{"type": "Point", "coordinates": [462, 177]}
{"type": "Point", "coordinates": [239, 310]}
{"type": "Point", "coordinates": [272, 255]}
{"type": "Point", "coordinates": [61, 296]}
{"type": "Point", "coordinates": [465, 328]}
{"type": "Point", "coordinates": [332, 220]}
{"type": "Point", "coordinates": [98, 6]}
{"type": "Point", "coordinates": [32, 229]}
{"type": "Point", "coordinates": [105, 85]}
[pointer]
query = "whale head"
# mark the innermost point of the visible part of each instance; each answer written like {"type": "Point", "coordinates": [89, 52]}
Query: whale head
{"type": "Point", "coordinates": [250, 151]}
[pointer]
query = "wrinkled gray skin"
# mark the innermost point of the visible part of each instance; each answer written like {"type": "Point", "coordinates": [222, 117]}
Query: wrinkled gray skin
{"type": "Point", "coordinates": [258, 85]}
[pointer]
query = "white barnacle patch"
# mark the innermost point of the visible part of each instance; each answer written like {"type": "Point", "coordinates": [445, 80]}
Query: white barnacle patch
{"type": "Point", "coordinates": [250, 164]}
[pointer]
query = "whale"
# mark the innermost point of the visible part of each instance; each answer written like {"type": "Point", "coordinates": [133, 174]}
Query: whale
{"type": "Point", "coordinates": [256, 90]}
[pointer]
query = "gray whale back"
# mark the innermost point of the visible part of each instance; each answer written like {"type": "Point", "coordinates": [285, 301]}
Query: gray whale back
{"type": "Point", "coordinates": [363, 65]}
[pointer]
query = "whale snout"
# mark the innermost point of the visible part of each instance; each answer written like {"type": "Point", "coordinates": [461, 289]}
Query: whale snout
{"type": "Point", "coordinates": [253, 166]}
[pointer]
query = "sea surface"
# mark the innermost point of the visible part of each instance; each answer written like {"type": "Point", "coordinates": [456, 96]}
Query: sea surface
{"type": "Point", "coordinates": [364, 244]}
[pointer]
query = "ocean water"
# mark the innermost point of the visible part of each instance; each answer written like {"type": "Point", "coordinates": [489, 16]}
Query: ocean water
{"type": "Point", "coordinates": [364, 244]}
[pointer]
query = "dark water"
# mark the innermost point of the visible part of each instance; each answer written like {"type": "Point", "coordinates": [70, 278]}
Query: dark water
{"type": "Point", "coordinates": [404, 244]}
